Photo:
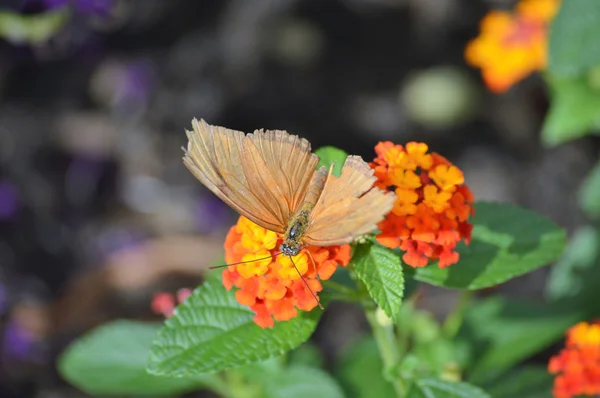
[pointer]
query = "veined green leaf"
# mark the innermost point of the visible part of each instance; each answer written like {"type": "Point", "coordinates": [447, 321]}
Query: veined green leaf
{"type": "Point", "coordinates": [211, 331]}
{"type": "Point", "coordinates": [508, 241]}
{"type": "Point", "coordinates": [381, 272]}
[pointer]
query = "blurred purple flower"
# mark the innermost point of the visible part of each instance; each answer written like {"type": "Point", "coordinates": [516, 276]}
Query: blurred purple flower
{"type": "Point", "coordinates": [115, 239]}
{"type": "Point", "coordinates": [99, 7]}
{"type": "Point", "coordinates": [137, 83]}
{"type": "Point", "coordinates": [9, 200]}
{"type": "Point", "coordinates": [17, 342]}
{"type": "Point", "coordinates": [211, 214]}
{"type": "Point", "coordinates": [82, 177]}
{"type": "Point", "coordinates": [52, 4]}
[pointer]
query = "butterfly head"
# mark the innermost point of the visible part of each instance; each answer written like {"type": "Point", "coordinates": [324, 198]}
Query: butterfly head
{"type": "Point", "coordinates": [290, 250]}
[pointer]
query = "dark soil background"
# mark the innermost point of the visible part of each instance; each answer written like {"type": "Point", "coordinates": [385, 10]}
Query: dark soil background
{"type": "Point", "coordinates": [97, 211]}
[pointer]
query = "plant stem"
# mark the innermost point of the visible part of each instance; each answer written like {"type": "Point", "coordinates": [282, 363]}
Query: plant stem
{"type": "Point", "coordinates": [338, 287]}
{"type": "Point", "coordinates": [344, 297]}
{"type": "Point", "coordinates": [389, 350]}
{"type": "Point", "coordinates": [454, 320]}
{"type": "Point", "coordinates": [218, 384]}
{"type": "Point", "coordinates": [237, 387]}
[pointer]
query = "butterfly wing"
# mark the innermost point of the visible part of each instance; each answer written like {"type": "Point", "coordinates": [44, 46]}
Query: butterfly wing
{"type": "Point", "coordinates": [283, 164]}
{"type": "Point", "coordinates": [263, 176]}
{"type": "Point", "coordinates": [349, 206]}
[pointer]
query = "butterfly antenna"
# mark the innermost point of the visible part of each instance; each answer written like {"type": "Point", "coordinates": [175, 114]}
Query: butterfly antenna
{"type": "Point", "coordinates": [242, 262]}
{"type": "Point", "coordinates": [306, 283]}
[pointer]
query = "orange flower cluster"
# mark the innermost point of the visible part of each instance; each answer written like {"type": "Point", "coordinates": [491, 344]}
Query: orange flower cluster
{"type": "Point", "coordinates": [511, 46]}
{"type": "Point", "coordinates": [272, 285]}
{"type": "Point", "coordinates": [432, 207]}
{"type": "Point", "coordinates": [578, 364]}
{"type": "Point", "coordinates": [164, 303]}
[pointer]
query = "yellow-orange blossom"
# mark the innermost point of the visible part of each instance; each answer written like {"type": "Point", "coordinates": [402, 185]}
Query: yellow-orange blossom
{"type": "Point", "coordinates": [512, 45]}
{"type": "Point", "coordinates": [433, 204]}
{"type": "Point", "coordinates": [578, 365]}
{"type": "Point", "coordinates": [271, 286]}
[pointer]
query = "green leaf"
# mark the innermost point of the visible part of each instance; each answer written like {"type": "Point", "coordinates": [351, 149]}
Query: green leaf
{"type": "Point", "coordinates": [330, 155]}
{"type": "Point", "coordinates": [434, 388]}
{"type": "Point", "coordinates": [306, 355]}
{"type": "Point", "coordinates": [432, 354]}
{"type": "Point", "coordinates": [211, 331]}
{"type": "Point", "coordinates": [31, 29]}
{"type": "Point", "coordinates": [589, 193]}
{"type": "Point", "coordinates": [502, 333]}
{"type": "Point", "coordinates": [573, 38]}
{"type": "Point", "coordinates": [575, 274]}
{"type": "Point", "coordinates": [508, 241]}
{"type": "Point", "coordinates": [574, 110]}
{"type": "Point", "coordinates": [111, 360]}
{"type": "Point", "coordinates": [381, 272]}
{"type": "Point", "coordinates": [300, 382]}
{"type": "Point", "coordinates": [360, 371]}
{"type": "Point", "coordinates": [429, 360]}
{"type": "Point", "coordinates": [528, 382]}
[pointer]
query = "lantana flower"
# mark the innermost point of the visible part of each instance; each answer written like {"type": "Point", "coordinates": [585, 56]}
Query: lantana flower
{"type": "Point", "coordinates": [433, 204]}
{"type": "Point", "coordinates": [269, 283]}
{"type": "Point", "coordinates": [512, 45]}
{"type": "Point", "coordinates": [578, 365]}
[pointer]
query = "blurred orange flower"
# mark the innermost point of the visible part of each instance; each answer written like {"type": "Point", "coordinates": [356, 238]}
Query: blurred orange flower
{"type": "Point", "coordinates": [433, 204]}
{"type": "Point", "coordinates": [271, 286]}
{"type": "Point", "coordinates": [512, 45]}
{"type": "Point", "coordinates": [578, 365]}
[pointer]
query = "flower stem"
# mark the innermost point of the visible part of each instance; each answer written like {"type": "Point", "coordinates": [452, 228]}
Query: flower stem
{"type": "Point", "coordinates": [237, 387]}
{"type": "Point", "coordinates": [383, 331]}
{"type": "Point", "coordinates": [218, 383]}
{"type": "Point", "coordinates": [454, 320]}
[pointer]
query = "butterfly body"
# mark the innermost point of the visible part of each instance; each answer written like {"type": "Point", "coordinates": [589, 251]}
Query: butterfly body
{"type": "Point", "coordinates": [292, 239]}
{"type": "Point", "coordinates": [299, 223]}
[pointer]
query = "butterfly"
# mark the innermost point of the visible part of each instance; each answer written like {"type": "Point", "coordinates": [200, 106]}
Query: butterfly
{"type": "Point", "coordinates": [271, 178]}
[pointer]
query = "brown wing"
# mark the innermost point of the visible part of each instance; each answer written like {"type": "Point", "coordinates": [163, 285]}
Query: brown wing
{"type": "Point", "coordinates": [349, 206]}
{"type": "Point", "coordinates": [238, 169]}
{"type": "Point", "coordinates": [284, 164]}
